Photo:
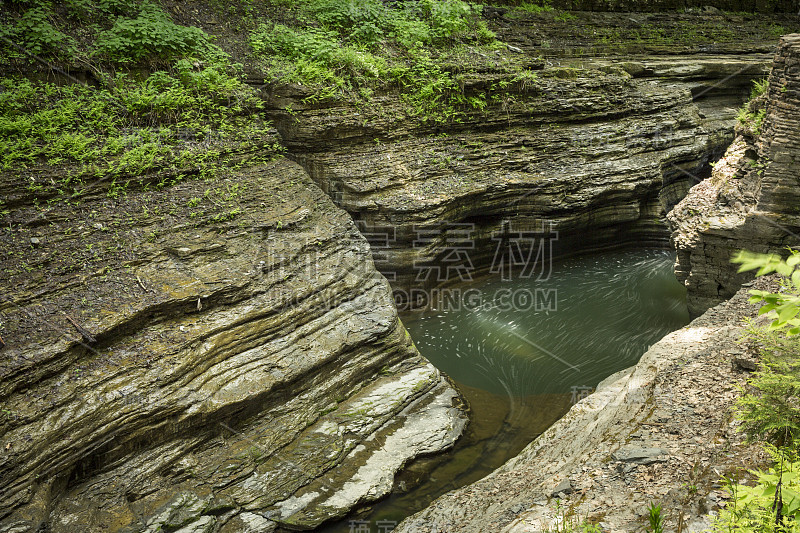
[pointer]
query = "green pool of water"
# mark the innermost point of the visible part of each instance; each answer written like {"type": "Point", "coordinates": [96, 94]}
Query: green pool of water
{"type": "Point", "coordinates": [522, 352]}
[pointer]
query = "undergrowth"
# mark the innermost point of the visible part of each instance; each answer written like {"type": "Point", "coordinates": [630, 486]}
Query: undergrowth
{"type": "Point", "coordinates": [151, 34]}
{"type": "Point", "coordinates": [346, 48]}
{"type": "Point", "coordinates": [536, 7]}
{"type": "Point", "coordinates": [751, 115]}
{"type": "Point", "coordinates": [182, 122]}
{"type": "Point", "coordinates": [769, 408]}
{"type": "Point", "coordinates": [98, 33]}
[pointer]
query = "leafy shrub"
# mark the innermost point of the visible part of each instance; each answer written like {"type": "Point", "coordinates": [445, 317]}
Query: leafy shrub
{"type": "Point", "coordinates": [771, 408]}
{"type": "Point", "coordinates": [431, 93]}
{"type": "Point", "coordinates": [281, 40]}
{"type": "Point", "coordinates": [334, 53]}
{"type": "Point", "coordinates": [317, 58]}
{"type": "Point", "coordinates": [773, 411]}
{"type": "Point", "coordinates": [410, 32]}
{"type": "Point", "coordinates": [447, 17]}
{"type": "Point", "coordinates": [35, 33]}
{"type": "Point", "coordinates": [369, 21]}
{"type": "Point", "coordinates": [783, 306]}
{"type": "Point", "coordinates": [151, 35]}
{"type": "Point", "coordinates": [362, 21]}
{"type": "Point", "coordinates": [771, 505]}
{"type": "Point", "coordinates": [87, 8]}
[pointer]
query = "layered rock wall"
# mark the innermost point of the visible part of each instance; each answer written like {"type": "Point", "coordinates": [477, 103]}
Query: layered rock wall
{"type": "Point", "coordinates": [595, 151]}
{"type": "Point", "coordinates": [759, 6]}
{"type": "Point", "coordinates": [167, 368]}
{"type": "Point", "coordinates": [751, 200]}
{"type": "Point", "coordinates": [665, 425]}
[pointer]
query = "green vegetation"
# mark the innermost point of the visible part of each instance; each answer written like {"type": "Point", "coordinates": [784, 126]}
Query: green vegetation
{"type": "Point", "coordinates": [655, 519]}
{"type": "Point", "coordinates": [187, 114]}
{"type": "Point", "coordinates": [771, 505]}
{"type": "Point", "coordinates": [752, 114]}
{"type": "Point", "coordinates": [536, 7]}
{"type": "Point", "coordinates": [770, 409]}
{"type": "Point", "coordinates": [774, 412]}
{"type": "Point", "coordinates": [152, 34]}
{"type": "Point", "coordinates": [182, 122]}
{"type": "Point", "coordinates": [567, 522]}
{"type": "Point", "coordinates": [35, 32]}
{"type": "Point", "coordinates": [348, 48]}
{"type": "Point", "coordinates": [109, 31]}
{"type": "Point", "coordinates": [783, 306]}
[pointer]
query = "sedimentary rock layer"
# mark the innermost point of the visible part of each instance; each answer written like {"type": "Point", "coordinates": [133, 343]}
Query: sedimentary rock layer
{"type": "Point", "coordinates": [751, 200]}
{"type": "Point", "coordinates": [595, 151]}
{"type": "Point", "coordinates": [760, 6]}
{"type": "Point", "coordinates": [168, 366]}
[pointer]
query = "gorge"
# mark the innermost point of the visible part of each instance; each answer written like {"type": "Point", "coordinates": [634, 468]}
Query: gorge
{"type": "Point", "coordinates": [226, 354]}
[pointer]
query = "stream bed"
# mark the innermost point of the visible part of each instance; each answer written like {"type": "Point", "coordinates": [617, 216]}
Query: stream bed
{"type": "Point", "coordinates": [522, 352]}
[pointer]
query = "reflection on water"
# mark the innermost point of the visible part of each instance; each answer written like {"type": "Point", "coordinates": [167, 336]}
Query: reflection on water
{"type": "Point", "coordinates": [520, 369]}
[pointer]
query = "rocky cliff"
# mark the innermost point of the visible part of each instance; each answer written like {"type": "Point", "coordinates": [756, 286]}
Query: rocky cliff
{"type": "Point", "coordinates": [663, 431]}
{"type": "Point", "coordinates": [759, 6]}
{"type": "Point", "coordinates": [240, 366]}
{"type": "Point", "coordinates": [751, 200]}
{"type": "Point", "coordinates": [166, 371]}
{"type": "Point", "coordinates": [596, 151]}
{"type": "Point", "coordinates": [597, 124]}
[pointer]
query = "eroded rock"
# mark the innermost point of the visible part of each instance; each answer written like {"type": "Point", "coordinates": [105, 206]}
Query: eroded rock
{"type": "Point", "coordinates": [247, 370]}
{"type": "Point", "coordinates": [750, 201]}
{"type": "Point", "coordinates": [596, 152]}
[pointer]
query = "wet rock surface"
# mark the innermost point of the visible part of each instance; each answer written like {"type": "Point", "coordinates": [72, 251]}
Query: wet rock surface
{"type": "Point", "coordinates": [205, 374]}
{"type": "Point", "coordinates": [661, 431]}
{"type": "Point", "coordinates": [750, 202]}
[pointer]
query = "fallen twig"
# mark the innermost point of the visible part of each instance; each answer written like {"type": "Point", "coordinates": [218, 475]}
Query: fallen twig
{"type": "Point", "coordinates": [84, 333]}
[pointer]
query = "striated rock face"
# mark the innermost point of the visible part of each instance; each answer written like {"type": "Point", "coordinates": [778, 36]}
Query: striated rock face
{"type": "Point", "coordinates": [762, 6]}
{"type": "Point", "coordinates": [242, 367]}
{"type": "Point", "coordinates": [167, 368]}
{"type": "Point", "coordinates": [644, 436]}
{"type": "Point", "coordinates": [751, 201]}
{"type": "Point", "coordinates": [599, 153]}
